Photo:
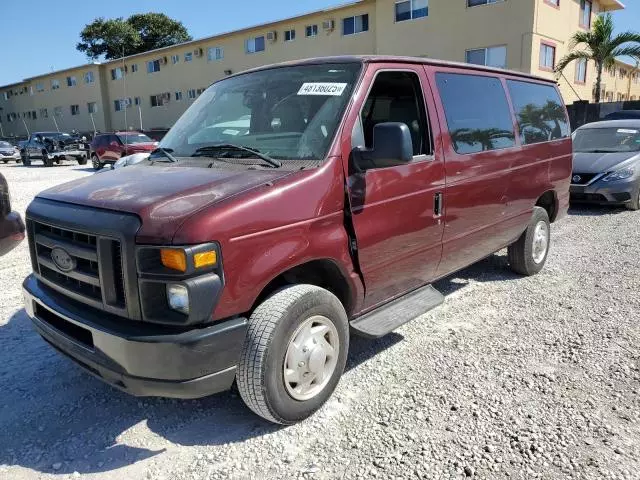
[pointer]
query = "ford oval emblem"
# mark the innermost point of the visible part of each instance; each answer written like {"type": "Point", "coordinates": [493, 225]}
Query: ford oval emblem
{"type": "Point", "coordinates": [577, 178]}
{"type": "Point", "coordinates": [62, 259]}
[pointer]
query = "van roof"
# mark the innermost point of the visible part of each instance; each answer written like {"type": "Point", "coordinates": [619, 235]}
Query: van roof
{"type": "Point", "coordinates": [398, 59]}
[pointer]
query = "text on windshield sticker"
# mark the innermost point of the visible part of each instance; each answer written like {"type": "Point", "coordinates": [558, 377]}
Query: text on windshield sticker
{"type": "Point", "coordinates": [322, 88]}
{"type": "Point", "coordinates": [626, 130]}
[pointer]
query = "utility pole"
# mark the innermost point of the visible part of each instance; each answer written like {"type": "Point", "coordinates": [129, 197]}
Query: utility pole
{"type": "Point", "coordinates": [55, 122]}
{"type": "Point", "coordinates": [25, 127]}
{"type": "Point", "coordinates": [140, 114]}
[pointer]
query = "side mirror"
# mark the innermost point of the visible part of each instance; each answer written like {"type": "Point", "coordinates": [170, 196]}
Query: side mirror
{"type": "Point", "coordinates": [392, 146]}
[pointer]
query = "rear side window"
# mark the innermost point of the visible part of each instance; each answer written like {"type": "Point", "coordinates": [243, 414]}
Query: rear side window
{"type": "Point", "coordinates": [539, 110]}
{"type": "Point", "coordinates": [477, 112]}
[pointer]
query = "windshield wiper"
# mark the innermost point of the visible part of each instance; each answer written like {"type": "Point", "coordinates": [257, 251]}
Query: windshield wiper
{"type": "Point", "coordinates": [166, 152]}
{"type": "Point", "coordinates": [201, 152]}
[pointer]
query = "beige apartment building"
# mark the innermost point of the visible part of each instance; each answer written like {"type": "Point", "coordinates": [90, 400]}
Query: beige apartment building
{"type": "Point", "coordinates": [154, 88]}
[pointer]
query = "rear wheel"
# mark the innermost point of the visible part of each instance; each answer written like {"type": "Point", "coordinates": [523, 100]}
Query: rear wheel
{"type": "Point", "coordinates": [82, 160]}
{"type": "Point", "coordinates": [529, 253]}
{"type": "Point", "coordinates": [95, 161]}
{"type": "Point", "coordinates": [294, 353]}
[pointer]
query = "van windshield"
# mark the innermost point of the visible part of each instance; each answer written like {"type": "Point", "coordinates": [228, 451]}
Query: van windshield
{"type": "Point", "coordinates": [286, 113]}
{"type": "Point", "coordinates": [607, 140]}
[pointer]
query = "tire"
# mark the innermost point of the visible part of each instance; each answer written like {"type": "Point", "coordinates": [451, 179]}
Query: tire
{"type": "Point", "coordinates": [634, 204]}
{"type": "Point", "coordinates": [5, 161]}
{"type": "Point", "coordinates": [82, 160]}
{"type": "Point", "coordinates": [46, 160]}
{"type": "Point", "coordinates": [26, 159]}
{"type": "Point", "coordinates": [528, 255]}
{"type": "Point", "coordinates": [95, 161]}
{"type": "Point", "coordinates": [272, 327]}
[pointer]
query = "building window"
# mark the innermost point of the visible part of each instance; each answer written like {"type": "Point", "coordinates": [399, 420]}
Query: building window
{"type": "Point", "coordinates": [71, 82]}
{"type": "Point", "coordinates": [586, 6]}
{"type": "Point", "coordinates": [199, 91]}
{"type": "Point", "coordinates": [175, 59]}
{"type": "Point", "coordinates": [57, 111]}
{"type": "Point", "coordinates": [547, 56]}
{"type": "Point", "coordinates": [215, 53]}
{"type": "Point", "coordinates": [55, 84]}
{"type": "Point", "coordinates": [134, 67]}
{"type": "Point", "coordinates": [191, 93]}
{"type": "Point", "coordinates": [357, 24]}
{"type": "Point", "coordinates": [475, 3]}
{"type": "Point", "coordinates": [581, 71]}
{"type": "Point", "coordinates": [553, 3]}
{"type": "Point", "coordinates": [92, 107]}
{"type": "Point", "coordinates": [411, 9]}
{"type": "Point", "coordinates": [117, 73]}
{"type": "Point", "coordinates": [153, 66]}
{"type": "Point", "coordinates": [33, 115]}
{"type": "Point", "coordinates": [160, 99]}
{"type": "Point", "coordinates": [178, 96]}
{"type": "Point", "coordinates": [491, 56]}
{"type": "Point", "coordinates": [75, 109]}
{"type": "Point", "coordinates": [311, 30]}
{"type": "Point", "coordinates": [477, 123]}
{"type": "Point", "coordinates": [39, 88]}
{"type": "Point", "coordinates": [137, 101]}
{"type": "Point", "coordinates": [44, 113]}
{"type": "Point", "coordinates": [88, 77]}
{"type": "Point", "coordinates": [5, 95]}
{"type": "Point", "coordinates": [253, 45]}
{"type": "Point", "coordinates": [188, 56]}
{"type": "Point", "coordinates": [289, 35]}
{"type": "Point", "coordinates": [120, 104]}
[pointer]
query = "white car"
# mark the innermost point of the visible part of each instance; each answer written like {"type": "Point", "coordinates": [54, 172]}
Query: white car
{"type": "Point", "coordinates": [9, 153]}
{"type": "Point", "coordinates": [126, 161]}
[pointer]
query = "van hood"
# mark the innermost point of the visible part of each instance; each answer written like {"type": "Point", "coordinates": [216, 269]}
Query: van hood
{"type": "Point", "coordinates": [162, 197]}
{"type": "Point", "coordinates": [586, 162]}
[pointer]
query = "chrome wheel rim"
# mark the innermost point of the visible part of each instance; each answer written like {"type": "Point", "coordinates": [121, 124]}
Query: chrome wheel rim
{"type": "Point", "coordinates": [311, 358]}
{"type": "Point", "coordinates": [540, 241]}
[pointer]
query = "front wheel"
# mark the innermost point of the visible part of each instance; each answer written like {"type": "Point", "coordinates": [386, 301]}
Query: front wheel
{"type": "Point", "coordinates": [5, 161]}
{"type": "Point", "coordinates": [294, 353]}
{"type": "Point", "coordinates": [634, 204]}
{"type": "Point", "coordinates": [46, 159]}
{"type": "Point", "coordinates": [529, 253]}
{"type": "Point", "coordinates": [81, 160]}
{"type": "Point", "coordinates": [26, 159]}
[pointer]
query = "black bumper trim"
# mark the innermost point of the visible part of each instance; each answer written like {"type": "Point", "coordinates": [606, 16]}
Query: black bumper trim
{"type": "Point", "coordinates": [140, 358]}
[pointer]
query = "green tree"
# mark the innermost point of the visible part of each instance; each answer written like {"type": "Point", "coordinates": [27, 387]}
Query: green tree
{"type": "Point", "coordinates": [601, 46]}
{"type": "Point", "coordinates": [138, 33]}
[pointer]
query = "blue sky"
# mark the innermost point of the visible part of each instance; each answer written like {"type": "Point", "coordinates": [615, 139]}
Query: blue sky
{"type": "Point", "coordinates": [36, 46]}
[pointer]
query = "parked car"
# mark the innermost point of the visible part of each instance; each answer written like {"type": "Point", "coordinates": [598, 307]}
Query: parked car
{"type": "Point", "coordinates": [127, 161]}
{"type": "Point", "coordinates": [360, 182]}
{"type": "Point", "coordinates": [623, 115]}
{"type": "Point", "coordinates": [11, 224]}
{"type": "Point", "coordinates": [107, 148]}
{"type": "Point", "coordinates": [53, 147]}
{"type": "Point", "coordinates": [9, 153]}
{"type": "Point", "coordinates": [606, 163]}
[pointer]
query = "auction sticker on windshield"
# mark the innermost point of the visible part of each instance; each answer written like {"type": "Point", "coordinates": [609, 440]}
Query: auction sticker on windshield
{"type": "Point", "coordinates": [322, 88]}
{"type": "Point", "coordinates": [625, 130]}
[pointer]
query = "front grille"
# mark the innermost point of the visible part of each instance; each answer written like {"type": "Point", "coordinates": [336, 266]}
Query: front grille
{"type": "Point", "coordinates": [588, 197]}
{"type": "Point", "coordinates": [84, 266]}
{"type": "Point", "coordinates": [582, 178]}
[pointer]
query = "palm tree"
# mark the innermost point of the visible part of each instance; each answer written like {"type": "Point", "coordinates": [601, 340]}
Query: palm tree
{"type": "Point", "coordinates": [602, 46]}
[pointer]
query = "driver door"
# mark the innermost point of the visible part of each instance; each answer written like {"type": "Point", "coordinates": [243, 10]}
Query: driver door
{"type": "Point", "coordinates": [396, 211]}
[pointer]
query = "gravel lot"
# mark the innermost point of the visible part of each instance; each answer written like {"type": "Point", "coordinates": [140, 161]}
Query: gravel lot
{"type": "Point", "coordinates": [512, 377]}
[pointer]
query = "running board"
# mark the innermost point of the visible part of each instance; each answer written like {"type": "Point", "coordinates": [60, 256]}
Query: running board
{"type": "Point", "coordinates": [387, 318]}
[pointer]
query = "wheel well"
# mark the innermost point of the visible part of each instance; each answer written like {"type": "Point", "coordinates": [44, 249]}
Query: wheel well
{"type": "Point", "coordinates": [321, 273]}
{"type": "Point", "coordinates": [549, 203]}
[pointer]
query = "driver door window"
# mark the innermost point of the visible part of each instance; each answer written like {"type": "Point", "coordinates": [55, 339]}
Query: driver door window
{"type": "Point", "coordinates": [396, 96]}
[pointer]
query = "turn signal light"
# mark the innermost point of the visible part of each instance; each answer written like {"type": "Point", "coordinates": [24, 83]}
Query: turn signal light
{"type": "Point", "coordinates": [205, 259]}
{"type": "Point", "coordinates": [174, 259]}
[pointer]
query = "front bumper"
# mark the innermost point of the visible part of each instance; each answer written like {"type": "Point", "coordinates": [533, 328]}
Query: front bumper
{"type": "Point", "coordinates": [10, 158]}
{"type": "Point", "coordinates": [137, 357]}
{"type": "Point", "coordinates": [600, 192]}
{"type": "Point", "coordinates": [11, 232]}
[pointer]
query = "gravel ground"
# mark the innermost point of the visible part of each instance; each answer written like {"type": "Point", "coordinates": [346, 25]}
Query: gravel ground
{"type": "Point", "coordinates": [513, 377]}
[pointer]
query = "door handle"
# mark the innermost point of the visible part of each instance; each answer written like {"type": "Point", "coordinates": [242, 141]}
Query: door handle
{"type": "Point", "coordinates": [437, 204]}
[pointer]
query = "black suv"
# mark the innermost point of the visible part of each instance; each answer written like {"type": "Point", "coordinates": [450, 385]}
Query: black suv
{"type": "Point", "coordinates": [53, 147]}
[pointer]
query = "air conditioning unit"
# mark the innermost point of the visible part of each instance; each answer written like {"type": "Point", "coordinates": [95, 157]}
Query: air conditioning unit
{"type": "Point", "coordinates": [162, 60]}
{"type": "Point", "coordinates": [329, 25]}
{"type": "Point", "coordinates": [197, 52]}
{"type": "Point", "coordinates": [272, 36]}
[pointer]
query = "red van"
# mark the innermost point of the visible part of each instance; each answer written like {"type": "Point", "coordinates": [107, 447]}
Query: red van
{"type": "Point", "coordinates": [290, 207]}
{"type": "Point", "coordinates": [108, 148]}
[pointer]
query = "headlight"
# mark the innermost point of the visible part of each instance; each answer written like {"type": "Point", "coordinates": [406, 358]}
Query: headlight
{"type": "Point", "coordinates": [178, 298]}
{"type": "Point", "coordinates": [618, 175]}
